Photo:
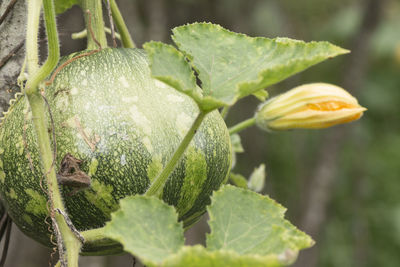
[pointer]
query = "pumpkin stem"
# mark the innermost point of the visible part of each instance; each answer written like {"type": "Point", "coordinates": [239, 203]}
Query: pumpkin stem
{"type": "Point", "coordinates": [94, 24]}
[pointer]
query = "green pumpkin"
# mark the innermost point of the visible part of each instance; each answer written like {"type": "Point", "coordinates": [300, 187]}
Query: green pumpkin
{"type": "Point", "coordinates": [124, 126]}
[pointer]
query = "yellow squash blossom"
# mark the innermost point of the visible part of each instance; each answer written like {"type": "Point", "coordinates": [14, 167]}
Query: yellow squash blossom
{"type": "Point", "coordinates": [311, 106]}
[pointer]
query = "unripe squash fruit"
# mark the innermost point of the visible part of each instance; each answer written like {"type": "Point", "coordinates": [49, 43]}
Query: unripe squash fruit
{"type": "Point", "coordinates": [123, 126]}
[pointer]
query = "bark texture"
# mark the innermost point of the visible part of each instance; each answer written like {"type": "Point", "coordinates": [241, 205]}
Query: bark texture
{"type": "Point", "coordinates": [12, 32]}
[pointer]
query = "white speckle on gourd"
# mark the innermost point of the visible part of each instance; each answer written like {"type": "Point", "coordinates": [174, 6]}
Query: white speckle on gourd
{"type": "Point", "coordinates": [74, 91]}
{"type": "Point", "coordinates": [183, 123]}
{"type": "Point", "coordinates": [160, 84]}
{"type": "Point", "coordinates": [147, 144]}
{"type": "Point", "coordinates": [61, 104]}
{"type": "Point", "coordinates": [175, 98]}
{"type": "Point", "coordinates": [123, 81]}
{"type": "Point", "coordinates": [140, 119]}
{"type": "Point", "coordinates": [84, 82]}
{"type": "Point", "coordinates": [123, 160]}
{"type": "Point", "coordinates": [130, 99]}
{"type": "Point", "coordinates": [83, 73]}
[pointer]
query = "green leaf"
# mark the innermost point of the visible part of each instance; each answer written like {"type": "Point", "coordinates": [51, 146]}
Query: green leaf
{"type": "Point", "coordinates": [147, 228]}
{"type": "Point", "coordinates": [257, 179]}
{"type": "Point", "coordinates": [236, 143]}
{"type": "Point", "coordinates": [63, 5]}
{"type": "Point", "coordinates": [170, 66]}
{"type": "Point", "coordinates": [238, 180]}
{"type": "Point", "coordinates": [198, 256]}
{"type": "Point", "coordinates": [231, 65]}
{"type": "Point", "coordinates": [252, 224]}
{"type": "Point", "coordinates": [261, 95]}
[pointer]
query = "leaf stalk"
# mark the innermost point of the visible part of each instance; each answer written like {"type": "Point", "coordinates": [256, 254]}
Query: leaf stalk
{"type": "Point", "coordinates": [242, 125]}
{"type": "Point", "coordinates": [160, 180]}
{"type": "Point", "coordinates": [94, 23]}
{"type": "Point", "coordinates": [126, 38]}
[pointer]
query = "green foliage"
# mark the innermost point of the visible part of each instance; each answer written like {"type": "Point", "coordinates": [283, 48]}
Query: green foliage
{"type": "Point", "coordinates": [199, 256]}
{"type": "Point", "coordinates": [172, 68]}
{"type": "Point", "coordinates": [252, 224]}
{"type": "Point", "coordinates": [229, 65]}
{"type": "Point", "coordinates": [257, 179]}
{"type": "Point", "coordinates": [146, 227]}
{"type": "Point", "coordinates": [261, 95]}
{"type": "Point", "coordinates": [247, 229]}
{"type": "Point", "coordinates": [63, 5]}
{"type": "Point", "coordinates": [238, 180]}
{"type": "Point", "coordinates": [236, 143]}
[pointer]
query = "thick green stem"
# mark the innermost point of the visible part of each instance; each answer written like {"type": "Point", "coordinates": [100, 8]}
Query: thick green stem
{"type": "Point", "coordinates": [53, 46]}
{"type": "Point", "coordinates": [32, 30]}
{"type": "Point", "coordinates": [159, 182]}
{"type": "Point", "coordinates": [242, 125]}
{"type": "Point", "coordinates": [96, 237]}
{"type": "Point", "coordinates": [93, 235]}
{"type": "Point", "coordinates": [38, 109]}
{"type": "Point", "coordinates": [71, 243]}
{"type": "Point", "coordinates": [95, 23]}
{"type": "Point", "coordinates": [224, 112]}
{"type": "Point", "coordinates": [126, 38]}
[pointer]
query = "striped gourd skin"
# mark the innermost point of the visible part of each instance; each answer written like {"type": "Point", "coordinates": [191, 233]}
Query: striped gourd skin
{"type": "Point", "coordinates": [125, 126]}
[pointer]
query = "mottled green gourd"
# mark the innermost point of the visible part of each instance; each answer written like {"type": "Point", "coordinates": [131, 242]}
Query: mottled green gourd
{"type": "Point", "coordinates": [124, 126]}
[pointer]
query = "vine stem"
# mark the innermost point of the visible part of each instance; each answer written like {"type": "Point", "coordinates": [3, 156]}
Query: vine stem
{"type": "Point", "coordinates": [96, 23]}
{"type": "Point", "coordinates": [32, 30]}
{"type": "Point", "coordinates": [224, 112]}
{"type": "Point", "coordinates": [94, 235]}
{"type": "Point", "coordinates": [126, 38]}
{"type": "Point", "coordinates": [242, 125]}
{"type": "Point", "coordinates": [160, 180]}
{"type": "Point", "coordinates": [37, 105]}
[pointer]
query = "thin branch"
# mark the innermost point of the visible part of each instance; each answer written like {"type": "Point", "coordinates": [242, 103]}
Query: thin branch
{"type": "Point", "coordinates": [8, 10]}
{"type": "Point", "coordinates": [111, 23]}
{"type": "Point", "coordinates": [12, 53]}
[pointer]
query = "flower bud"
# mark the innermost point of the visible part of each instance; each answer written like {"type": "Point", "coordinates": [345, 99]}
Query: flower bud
{"type": "Point", "coordinates": [311, 106]}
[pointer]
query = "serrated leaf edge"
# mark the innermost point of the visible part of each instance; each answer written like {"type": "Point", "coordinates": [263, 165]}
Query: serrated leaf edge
{"type": "Point", "coordinates": [280, 215]}
{"type": "Point", "coordinates": [270, 260]}
{"type": "Point", "coordinates": [282, 40]}
{"type": "Point", "coordinates": [119, 238]}
{"type": "Point", "coordinates": [193, 92]}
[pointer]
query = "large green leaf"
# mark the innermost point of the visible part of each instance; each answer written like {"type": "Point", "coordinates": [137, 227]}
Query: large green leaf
{"type": "Point", "coordinates": [252, 224]}
{"type": "Point", "coordinates": [63, 5]}
{"type": "Point", "coordinates": [170, 66]}
{"type": "Point", "coordinates": [198, 256]}
{"type": "Point", "coordinates": [147, 228]}
{"type": "Point", "coordinates": [231, 65]}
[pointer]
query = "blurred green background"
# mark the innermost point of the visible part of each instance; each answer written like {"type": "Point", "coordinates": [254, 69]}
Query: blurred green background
{"type": "Point", "coordinates": [341, 185]}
